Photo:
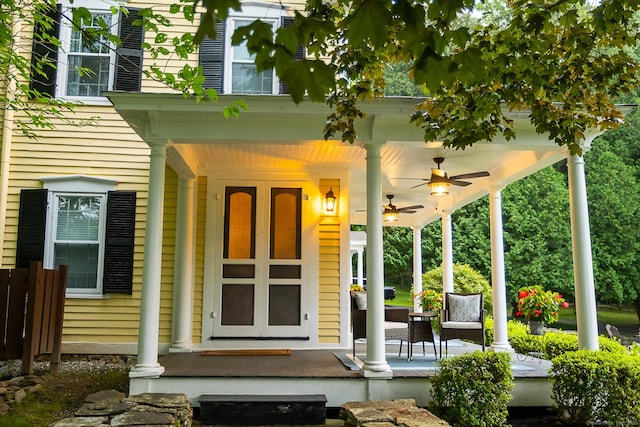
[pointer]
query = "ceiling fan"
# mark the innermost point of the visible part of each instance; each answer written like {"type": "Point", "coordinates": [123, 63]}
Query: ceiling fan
{"type": "Point", "coordinates": [391, 211]}
{"type": "Point", "coordinates": [440, 181]}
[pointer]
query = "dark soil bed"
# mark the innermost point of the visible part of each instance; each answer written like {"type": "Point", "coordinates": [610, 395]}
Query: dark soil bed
{"type": "Point", "coordinates": [533, 417]}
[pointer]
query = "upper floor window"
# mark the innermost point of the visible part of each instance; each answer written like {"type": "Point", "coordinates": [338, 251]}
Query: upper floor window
{"type": "Point", "coordinates": [86, 65]}
{"type": "Point", "coordinates": [230, 68]}
{"type": "Point", "coordinates": [244, 77]}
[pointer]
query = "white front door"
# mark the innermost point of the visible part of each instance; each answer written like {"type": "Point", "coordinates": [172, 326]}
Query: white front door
{"type": "Point", "coordinates": [259, 290]}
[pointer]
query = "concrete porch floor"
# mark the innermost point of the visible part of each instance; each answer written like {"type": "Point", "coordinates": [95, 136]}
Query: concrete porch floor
{"type": "Point", "coordinates": [321, 372]}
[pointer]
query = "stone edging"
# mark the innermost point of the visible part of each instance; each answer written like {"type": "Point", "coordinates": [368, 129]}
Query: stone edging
{"type": "Point", "coordinates": [388, 413]}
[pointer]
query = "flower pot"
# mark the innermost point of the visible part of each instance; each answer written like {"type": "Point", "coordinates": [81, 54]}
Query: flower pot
{"type": "Point", "coordinates": [536, 327]}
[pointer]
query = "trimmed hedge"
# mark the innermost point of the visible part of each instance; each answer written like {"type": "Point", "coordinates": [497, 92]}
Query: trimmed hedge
{"type": "Point", "coordinates": [473, 389]}
{"type": "Point", "coordinates": [596, 387]}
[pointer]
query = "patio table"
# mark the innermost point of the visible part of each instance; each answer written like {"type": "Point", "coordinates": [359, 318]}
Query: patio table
{"type": "Point", "coordinates": [420, 331]}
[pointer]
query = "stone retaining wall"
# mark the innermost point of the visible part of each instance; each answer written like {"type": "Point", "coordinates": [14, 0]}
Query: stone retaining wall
{"type": "Point", "coordinates": [113, 408]}
{"type": "Point", "coordinates": [388, 413]}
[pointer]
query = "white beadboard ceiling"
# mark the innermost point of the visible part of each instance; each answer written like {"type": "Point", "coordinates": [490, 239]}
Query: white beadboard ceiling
{"type": "Point", "coordinates": [277, 134]}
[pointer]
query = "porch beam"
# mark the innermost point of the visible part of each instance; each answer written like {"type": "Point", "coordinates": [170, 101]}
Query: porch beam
{"type": "Point", "coordinates": [147, 365]}
{"type": "Point", "coordinates": [587, 320]}
{"type": "Point", "coordinates": [375, 364]}
{"type": "Point", "coordinates": [500, 334]}
{"type": "Point", "coordinates": [183, 273]}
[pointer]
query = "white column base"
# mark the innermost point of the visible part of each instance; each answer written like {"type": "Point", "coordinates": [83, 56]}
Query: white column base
{"type": "Point", "coordinates": [180, 348]}
{"type": "Point", "coordinates": [382, 372]}
{"type": "Point", "coordinates": [141, 371]}
{"type": "Point", "coordinates": [499, 347]}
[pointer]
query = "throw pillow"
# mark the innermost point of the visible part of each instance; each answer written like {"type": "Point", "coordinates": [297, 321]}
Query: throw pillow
{"type": "Point", "coordinates": [464, 308]}
{"type": "Point", "coordinates": [361, 300]}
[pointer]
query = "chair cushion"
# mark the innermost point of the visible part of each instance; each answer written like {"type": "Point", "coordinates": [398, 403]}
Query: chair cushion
{"type": "Point", "coordinates": [464, 308]}
{"type": "Point", "coordinates": [461, 325]}
{"type": "Point", "coordinates": [396, 325]}
{"type": "Point", "coordinates": [361, 300]}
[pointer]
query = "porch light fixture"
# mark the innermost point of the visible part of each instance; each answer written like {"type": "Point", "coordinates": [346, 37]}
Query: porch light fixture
{"type": "Point", "coordinates": [390, 215]}
{"type": "Point", "coordinates": [330, 201]}
{"type": "Point", "coordinates": [439, 188]}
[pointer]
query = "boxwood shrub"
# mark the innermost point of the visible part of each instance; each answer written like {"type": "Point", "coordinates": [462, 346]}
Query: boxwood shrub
{"type": "Point", "coordinates": [473, 389]}
{"type": "Point", "coordinates": [596, 387]}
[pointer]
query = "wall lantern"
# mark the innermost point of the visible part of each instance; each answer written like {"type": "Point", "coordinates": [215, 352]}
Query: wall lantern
{"type": "Point", "coordinates": [330, 201]}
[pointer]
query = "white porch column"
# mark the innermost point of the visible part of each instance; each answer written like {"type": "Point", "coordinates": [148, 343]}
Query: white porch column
{"type": "Point", "coordinates": [447, 253]}
{"type": "Point", "coordinates": [375, 364]}
{"type": "Point", "coordinates": [360, 267]}
{"type": "Point", "coordinates": [417, 267]}
{"type": "Point", "coordinates": [148, 365]}
{"type": "Point", "coordinates": [500, 335]}
{"type": "Point", "coordinates": [183, 271]}
{"type": "Point", "coordinates": [582, 261]}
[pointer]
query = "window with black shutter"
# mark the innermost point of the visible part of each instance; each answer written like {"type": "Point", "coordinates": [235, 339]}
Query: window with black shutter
{"type": "Point", "coordinates": [119, 242]}
{"type": "Point", "coordinates": [72, 223]}
{"type": "Point", "coordinates": [61, 78]}
{"type": "Point", "coordinates": [32, 223]}
{"type": "Point", "coordinates": [128, 71]}
{"type": "Point", "coordinates": [211, 58]}
{"type": "Point", "coordinates": [299, 54]}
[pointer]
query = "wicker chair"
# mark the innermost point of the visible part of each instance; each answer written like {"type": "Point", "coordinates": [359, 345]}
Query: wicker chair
{"type": "Point", "coordinates": [396, 324]}
{"type": "Point", "coordinates": [462, 317]}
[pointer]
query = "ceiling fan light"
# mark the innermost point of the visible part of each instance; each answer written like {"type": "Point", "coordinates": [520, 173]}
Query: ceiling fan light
{"type": "Point", "coordinates": [439, 188]}
{"type": "Point", "coordinates": [390, 216]}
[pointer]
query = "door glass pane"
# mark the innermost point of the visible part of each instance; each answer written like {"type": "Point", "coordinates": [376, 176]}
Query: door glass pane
{"type": "Point", "coordinates": [240, 223]}
{"type": "Point", "coordinates": [237, 304]}
{"type": "Point", "coordinates": [286, 223]}
{"type": "Point", "coordinates": [284, 305]}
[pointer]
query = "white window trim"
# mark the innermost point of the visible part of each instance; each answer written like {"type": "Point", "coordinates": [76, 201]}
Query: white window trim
{"type": "Point", "coordinates": [267, 12]}
{"type": "Point", "coordinates": [95, 6]}
{"type": "Point", "coordinates": [75, 185]}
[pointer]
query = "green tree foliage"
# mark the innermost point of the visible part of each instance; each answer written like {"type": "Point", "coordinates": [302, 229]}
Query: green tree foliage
{"type": "Point", "coordinates": [613, 175]}
{"type": "Point", "coordinates": [398, 255]}
{"type": "Point", "coordinates": [465, 281]}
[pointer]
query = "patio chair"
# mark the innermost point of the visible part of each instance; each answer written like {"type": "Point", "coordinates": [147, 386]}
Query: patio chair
{"type": "Point", "coordinates": [614, 333]}
{"type": "Point", "coordinates": [396, 321]}
{"type": "Point", "coordinates": [462, 317]}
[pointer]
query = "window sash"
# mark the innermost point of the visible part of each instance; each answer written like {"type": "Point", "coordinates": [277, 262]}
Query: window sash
{"type": "Point", "coordinates": [77, 239]}
{"type": "Point", "coordinates": [78, 55]}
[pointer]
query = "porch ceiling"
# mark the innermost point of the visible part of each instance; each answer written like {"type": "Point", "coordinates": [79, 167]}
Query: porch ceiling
{"type": "Point", "coordinates": [277, 134]}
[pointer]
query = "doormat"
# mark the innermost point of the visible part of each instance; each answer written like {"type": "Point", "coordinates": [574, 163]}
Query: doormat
{"type": "Point", "coordinates": [249, 352]}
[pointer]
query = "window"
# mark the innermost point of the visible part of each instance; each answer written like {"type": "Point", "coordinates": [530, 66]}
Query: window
{"type": "Point", "coordinates": [81, 222]}
{"type": "Point", "coordinates": [76, 236]}
{"type": "Point", "coordinates": [229, 68]}
{"type": "Point", "coordinates": [89, 61]}
{"type": "Point", "coordinates": [244, 77]}
{"type": "Point", "coordinates": [86, 66]}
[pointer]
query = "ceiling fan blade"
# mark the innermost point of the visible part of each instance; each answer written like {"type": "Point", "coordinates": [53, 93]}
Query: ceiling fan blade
{"type": "Point", "coordinates": [406, 209]}
{"type": "Point", "coordinates": [460, 183]}
{"type": "Point", "coordinates": [470, 175]}
{"type": "Point", "coordinates": [419, 185]}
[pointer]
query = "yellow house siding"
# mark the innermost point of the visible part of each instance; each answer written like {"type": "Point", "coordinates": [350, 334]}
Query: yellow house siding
{"type": "Point", "coordinates": [329, 273]}
{"type": "Point", "coordinates": [109, 149]}
{"type": "Point", "coordinates": [198, 285]}
{"type": "Point", "coordinates": [168, 251]}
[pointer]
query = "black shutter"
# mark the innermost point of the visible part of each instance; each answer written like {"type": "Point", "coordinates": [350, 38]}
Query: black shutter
{"type": "Point", "coordinates": [128, 74]}
{"type": "Point", "coordinates": [43, 48]}
{"type": "Point", "coordinates": [299, 54]}
{"type": "Point", "coordinates": [119, 240]}
{"type": "Point", "coordinates": [211, 59]}
{"type": "Point", "coordinates": [32, 223]}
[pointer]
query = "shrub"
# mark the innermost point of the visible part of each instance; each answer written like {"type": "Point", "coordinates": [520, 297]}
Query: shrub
{"type": "Point", "coordinates": [596, 387]}
{"type": "Point", "coordinates": [473, 389]}
{"type": "Point", "coordinates": [466, 280]}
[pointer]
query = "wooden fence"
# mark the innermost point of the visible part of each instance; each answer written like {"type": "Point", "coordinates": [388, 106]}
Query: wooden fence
{"type": "Point", "coordinates": [31, 314]}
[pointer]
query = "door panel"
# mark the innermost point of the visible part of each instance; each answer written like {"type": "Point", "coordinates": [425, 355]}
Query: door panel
{"type": "Point", "coordinates": [259, 292]}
